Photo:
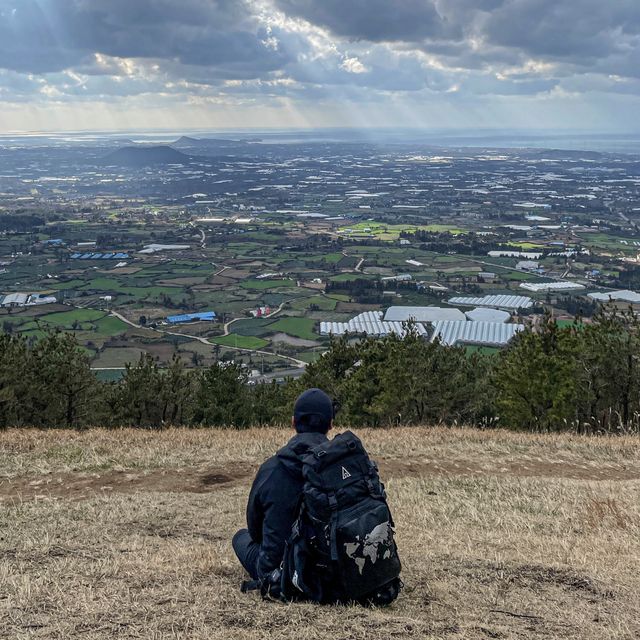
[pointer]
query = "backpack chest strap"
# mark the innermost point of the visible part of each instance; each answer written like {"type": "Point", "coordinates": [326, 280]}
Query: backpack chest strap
{"type": "Point", "coordinates": [333, 504]}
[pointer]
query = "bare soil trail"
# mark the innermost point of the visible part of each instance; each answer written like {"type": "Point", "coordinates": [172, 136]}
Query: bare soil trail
{"type": "Point", "coordinates": [79, 486]}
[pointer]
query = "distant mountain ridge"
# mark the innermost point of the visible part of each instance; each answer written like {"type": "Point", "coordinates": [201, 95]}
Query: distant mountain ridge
{"type": "Point", "coordinates": [141, 156]}
{"type": "Point", "coordinates": [186, 141]}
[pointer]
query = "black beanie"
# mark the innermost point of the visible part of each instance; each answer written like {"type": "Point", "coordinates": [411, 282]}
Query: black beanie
{"type": "Point", "coordinates": [313, 412]}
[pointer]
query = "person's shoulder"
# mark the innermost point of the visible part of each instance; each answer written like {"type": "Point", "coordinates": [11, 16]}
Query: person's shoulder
{"type": "Point", "coordinates": [270, 467]}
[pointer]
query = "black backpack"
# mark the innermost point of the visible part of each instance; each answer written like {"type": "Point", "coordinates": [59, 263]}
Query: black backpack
{"type": "Point", "coordinates": [342, 546]}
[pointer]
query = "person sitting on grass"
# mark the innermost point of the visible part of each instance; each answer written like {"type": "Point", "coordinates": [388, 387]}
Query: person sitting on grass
{"type": "Point", "coordinates": [275, 495]}
{"type": "Point", "coordinates": [318, 524]}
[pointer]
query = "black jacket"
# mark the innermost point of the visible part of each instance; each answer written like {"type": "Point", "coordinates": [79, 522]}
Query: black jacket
{"type": "Point", "coordinates": [273, 501]}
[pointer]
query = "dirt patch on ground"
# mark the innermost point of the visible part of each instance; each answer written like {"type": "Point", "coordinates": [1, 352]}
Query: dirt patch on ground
{"type": "Point", "coordinates": [296, 342]}
{"type": "Point", "coordinates": [79, 486]}
{"type": "Point", "coordinates": [516, 468]}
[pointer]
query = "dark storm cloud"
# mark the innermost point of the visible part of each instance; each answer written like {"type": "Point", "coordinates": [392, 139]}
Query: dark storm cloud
{"type": "Point", "coordinates": [578, 32]}
{"type": "Point", "coordinates": [50, 35]}
{"type": "Point", "coordinates": [375, 20]}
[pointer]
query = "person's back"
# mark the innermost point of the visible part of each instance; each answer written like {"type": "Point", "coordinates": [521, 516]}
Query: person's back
{"type": "Point", "coordinates": [275, 495]}
{"type": "Point", "coordinates": [318, 524]}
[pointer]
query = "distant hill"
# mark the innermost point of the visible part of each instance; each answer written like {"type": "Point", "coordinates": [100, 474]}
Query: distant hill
{"type": "Point", "coordinates": [561, 154]}
{"type": "Point", "coordinates": [187, 141]}
{"type": "Point", "coordinates": [210, 143]}
{"type": "Point", "coordinates": [143, 156]}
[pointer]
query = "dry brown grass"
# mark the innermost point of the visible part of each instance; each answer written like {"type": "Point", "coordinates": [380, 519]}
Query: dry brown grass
{"type": "Point", "coordinates": [502, 536]}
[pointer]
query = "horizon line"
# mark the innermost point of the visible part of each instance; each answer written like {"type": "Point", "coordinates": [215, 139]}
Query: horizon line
{"type": "Point", "coordinates": [354, 129]}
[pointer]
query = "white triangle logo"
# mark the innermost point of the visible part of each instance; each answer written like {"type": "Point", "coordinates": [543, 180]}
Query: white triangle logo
{"type": "Point", "coordinates": [345, 474]}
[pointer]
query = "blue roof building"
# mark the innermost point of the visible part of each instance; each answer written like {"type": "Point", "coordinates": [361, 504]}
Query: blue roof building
{"type": "Point", "coordinates": [100, 256]}
{"type": "Point", "coordinates": [192, 317]}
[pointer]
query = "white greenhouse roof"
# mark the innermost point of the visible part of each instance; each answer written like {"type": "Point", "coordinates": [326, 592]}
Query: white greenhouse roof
{"type": "Point", "coordinates": [369, 322]}
{"type": "Point", "coordinates": [15, 298]}
{"type": "Point", "coordinates": [490, 334]}
{"type": "Point", "coordinates": [551, 286]}
{"type": "Point", "coordinates": [622, 296]}
{"type": "Point", "coordinates": [497, 301]}
{"type": "Point", "coordinates": [422, 314]}
{"type": "Point", "coordinates": [484, 314]}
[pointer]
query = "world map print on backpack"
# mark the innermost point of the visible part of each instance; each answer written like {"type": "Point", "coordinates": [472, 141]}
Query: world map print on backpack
{"type": "Point", "coordinates": [342, 546]}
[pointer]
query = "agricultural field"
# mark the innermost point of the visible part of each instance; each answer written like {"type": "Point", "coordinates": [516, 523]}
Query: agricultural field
{"type": "Point", "coordinates": [241, 342]}
{"type": "Point", "coordinates": [128, 534]}
{"type": "Point", "coordinates": [249, 250]}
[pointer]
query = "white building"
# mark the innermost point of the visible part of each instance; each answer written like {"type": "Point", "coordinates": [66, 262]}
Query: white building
{"type": "Point", "coordinates": [369, 322]}
{"type": "Point", "coordinates": [15, 300]}
{"type": "Point", "coordinates": [422, 314]}
{"type": "Point", "coordinates": [541, 287]}
{"type": "Point", "coordinates": [527, 265]}
{"type": "Point", "coordinates": [622, 295]}
{"type": "Point", "coordinates": [484, 314]}
{"type": "Point", "coordinates": [403, 277]}
{"type": "Point", "coordinates": [488, 334]}
{"type": "Point", "coordinates": [499, 301]}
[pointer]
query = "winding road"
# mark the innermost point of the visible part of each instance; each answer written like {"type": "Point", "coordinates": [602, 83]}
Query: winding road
{"type": "Point", "coordinates": [299, 363]}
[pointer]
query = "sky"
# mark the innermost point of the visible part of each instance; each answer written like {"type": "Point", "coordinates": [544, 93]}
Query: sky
{"type": "Point", "coordinates": [218, 64]}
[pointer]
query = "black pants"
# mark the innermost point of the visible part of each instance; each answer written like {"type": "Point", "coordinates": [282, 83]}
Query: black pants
{"type": "Point", "coordinates": [247, 551]}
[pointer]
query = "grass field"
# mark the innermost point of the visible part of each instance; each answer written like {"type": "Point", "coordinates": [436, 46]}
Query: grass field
{"type": "Point", "coordinates": [92, 322]}
{"type": "Point", "coordinates": [324, 303]}
{"type": "Point", "coordinates": [127, 534]}
{"type": "Point", "coordinates": [67, 318]}
{"type": "Point", "coordinates": [298, 327]}
{"type": "Point", "coordinates": [383, 231]}
{"type": "Point", "coordinates": [242, 342]}
{"type": "Point", "coordinates": [267, 284]}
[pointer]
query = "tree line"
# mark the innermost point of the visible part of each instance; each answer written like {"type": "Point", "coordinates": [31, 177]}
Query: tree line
{"type": "Point", "coordinates": [583, 377]}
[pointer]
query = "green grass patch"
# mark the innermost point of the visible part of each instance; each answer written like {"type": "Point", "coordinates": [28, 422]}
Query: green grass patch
{"type": "Point", "coordinates": [309, 356]}
{"type": "Point", "coordinates": [35, 333]}
{"type": "Point", "coordinates": [298, 327]}
{"type": "Point", "coordinates": [70, 284]}
{"type": "Point", "coordinates": [267, 284]}
{"type": "Point", "coordinates": [569, 323]}
{"type": "Point", "coordinates": [67, 318]}
{"type": "Point", "coordinates": [28, 326]}
{"type": "Point", "coordinates": [333, 258]}
{"type": "Point", "coordinates": [391, 232]}
{"type": "Point", "coordinates": [525, 245]}
{"type": "Point", "coordinates": [110, 326]}
{"type": "Point", "coordinates": [485, 351]}
{"type": "Point", "coordinates": [348, 277]}
{"type": "Point", "coordinates": [253, 327]}
{"type": "Point", "coordinates": [241, 342]}
{"type": "Point", "coordinates": [520, 275]}
{"type": "Point", "coordinates": [110, 376]}
{"type": "Point", "coordinates": [322, 303]}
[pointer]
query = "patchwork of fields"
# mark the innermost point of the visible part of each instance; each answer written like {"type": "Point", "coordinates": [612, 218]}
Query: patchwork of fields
{"type": "Point", "coordinates": [297, 272]}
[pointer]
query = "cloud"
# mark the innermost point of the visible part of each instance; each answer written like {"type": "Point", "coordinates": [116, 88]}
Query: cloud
{"type": "Point", "coordinates": [474, 34]}
{"type": "Point", "coordinates": [53, 35]}
{"type": "Point", "coordinates": [353, 65]}
{"type": "Point", "coordinates": [290, 54]}
{"type": "Point", "coordinates": [375, 20]}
